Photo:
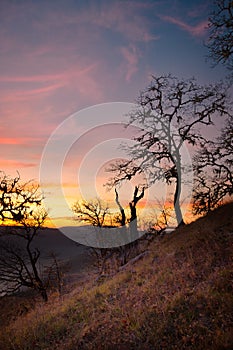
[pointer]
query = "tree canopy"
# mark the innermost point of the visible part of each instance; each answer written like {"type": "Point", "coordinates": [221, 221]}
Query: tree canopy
{"type": "Point", "coordinates": [213, 165]}
{"type": "Point", "coordinates": [170, 112]}
{"type": "Point", "coordinates": [17, 198]}
{"type": "Point", "coordinates": [220, 42]}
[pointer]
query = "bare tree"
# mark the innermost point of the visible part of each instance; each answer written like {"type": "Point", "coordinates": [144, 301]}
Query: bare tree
{"type": "Point", "coordinates": [133, 211]}
{"type": "Point", "coordinates": [94, 212]}
{"type": "Point", "coordinates": [137, 196]}
{"type": "Point", "coordinates": [17, 198]}
{"type": "Point", "coordinates": [18, 266]}
{"type": "Point", "coordinates": [170, 112]}
{"type": "Point", "coordinates": [213, 171]}
{"type": "Point", "coordinates": [125, 250]}
{"type": "Point", "coordinates": [220, 41]}
{"type": "Point", "coordinates": [21, 205]}
{"type": "Point", "coordinates": [19, 262]}
{"type": "Point", "coordinates": [97, 213]}
{"type": "Point", "coordinates": [162, 216]}
{"type": "Point", "coordinates": [122, 220]}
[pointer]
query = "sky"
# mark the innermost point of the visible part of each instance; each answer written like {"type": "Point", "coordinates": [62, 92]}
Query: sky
{"type": "Point", "coordinates": [58, 58]}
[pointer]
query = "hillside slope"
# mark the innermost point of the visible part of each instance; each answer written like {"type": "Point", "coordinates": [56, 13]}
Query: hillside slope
{"type": "Point", "coordinates": [178, 297]}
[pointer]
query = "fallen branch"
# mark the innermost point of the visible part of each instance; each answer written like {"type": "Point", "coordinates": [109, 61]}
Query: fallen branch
{"type": "Point", "coordinates": [133, 261]}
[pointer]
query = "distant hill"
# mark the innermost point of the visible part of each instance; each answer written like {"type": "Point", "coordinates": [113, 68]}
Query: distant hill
{"type": "Point", "coordinates": [51, 240]}
{"type": "Point", "coordinates": [178, 296]}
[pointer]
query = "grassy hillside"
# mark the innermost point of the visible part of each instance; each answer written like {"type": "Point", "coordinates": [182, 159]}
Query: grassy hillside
{"type": "Point", "coordinates": [179, 296]}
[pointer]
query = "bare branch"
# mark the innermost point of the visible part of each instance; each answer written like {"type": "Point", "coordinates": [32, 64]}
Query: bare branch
{"type": "Point", "coordinates": [94, 212]}
{"type": "Point", "coordinates": [220, 42]}
{"type": "Point", "coordinates": [169, 113]}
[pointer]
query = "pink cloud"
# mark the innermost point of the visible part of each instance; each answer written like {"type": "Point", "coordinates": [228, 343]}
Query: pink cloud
{"type": "Point", "coordinates": [47, 77]}
{"type": "Point", "coordinates": [131, 57]}
{"type": "Point", "coordinates": [76, 77]}
{"type": "Point", "coordinates": [26, 94]}
{"type": "Point", "coordinates": [126, 20]}
{"type": "Point", "coordinates": [52, 78]}
{"type": "Point", "coordinates": [43, 90]}
{"type": "Point", "coordinates": [31, 78]}
{"type": "Point", "coordinates": [197, 31]}
{"type": "Point", "coordinates": [15, 164]}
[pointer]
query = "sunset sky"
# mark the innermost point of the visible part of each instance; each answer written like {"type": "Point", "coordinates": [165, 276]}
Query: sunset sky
{"type": "Point", "coordinates": [59, 57]}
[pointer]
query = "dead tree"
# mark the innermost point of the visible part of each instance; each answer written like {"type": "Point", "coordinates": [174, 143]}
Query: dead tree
{"type": "Point", "coordinates": [133, 230]}
{"type": "Point", "coordinates": [133, 227]}
{"type": "Point", "coordinates": [122, 211]}
{"type": "Point", "coordinates": [124, 248]}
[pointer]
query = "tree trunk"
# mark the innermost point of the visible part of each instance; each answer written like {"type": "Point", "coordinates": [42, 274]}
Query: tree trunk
{"type": "Point", "coordinates": [38, 283]}
{"type": "Point", "coordinates": [133, 226]}
{"type": "Point", "coordinates": [179, 216]}
{"type": "Point", "coordinates": [133, 212]}
{"type": "Point", "coordinates": [122, 211]}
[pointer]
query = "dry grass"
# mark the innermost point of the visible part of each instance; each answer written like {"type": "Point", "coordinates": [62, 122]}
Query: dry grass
{"type": "Point", "coordinates": [178, 297]}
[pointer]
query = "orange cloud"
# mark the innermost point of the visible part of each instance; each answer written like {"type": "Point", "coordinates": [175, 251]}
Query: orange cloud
{"type": "Point", "coordinates": [10, 141]}
{"type": "Point", "coordinates": [18, 140]}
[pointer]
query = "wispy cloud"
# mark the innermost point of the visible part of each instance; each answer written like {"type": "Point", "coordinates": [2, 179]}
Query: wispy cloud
{"type": "Point", "coordinates": [65, 75]}
{"type": "Point", "coordinates": [198, 30]}
{"type": "Point", "coordinates": [13, 164]}
{"type": "Point", "coordinates": [30, 78]}
{"type": "Point", "coordinates": [45, 85]}
{"type": "Point", "coordinates": [126, 20]}
{"type": "Point", "coordinates": [131, 57]}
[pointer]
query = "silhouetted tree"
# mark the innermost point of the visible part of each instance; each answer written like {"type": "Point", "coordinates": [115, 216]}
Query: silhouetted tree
{"type": "Point", "coordinates": [125, 250]}
{"type": "Point", "coordinates": [213, 171]}
{"type": "Point", "coordinates": [220, 41]}
{"type": "Point", "coordinates": [122, 219]}
{"type": "Point", "coordinates": [93, 212]}
{"type": "Point", "coordinates": [169, 113]}
{"type": "Point", "coordinates": [19, 261]}
{"type": "Point", "coordinates": [133, 211]}
{"type": "Point", "coordinates": [160, 217]}
{"type": "Point", "coordinates": [17, 198]}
